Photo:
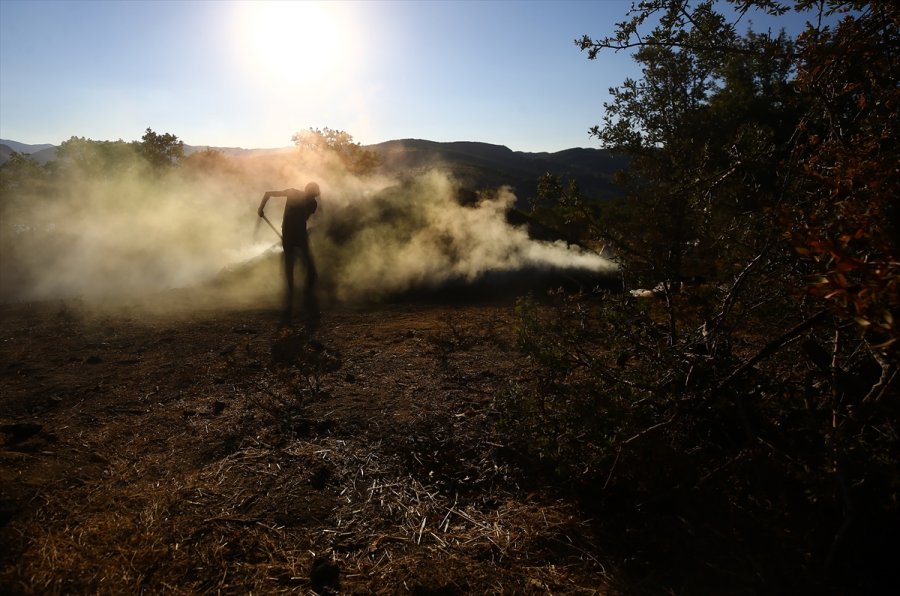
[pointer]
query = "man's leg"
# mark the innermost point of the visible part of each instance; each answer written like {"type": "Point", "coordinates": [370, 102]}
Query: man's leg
{"type": "Point", "coordinates": [311, 304]}
{"type": "Point", "coordinates": [289, 282]}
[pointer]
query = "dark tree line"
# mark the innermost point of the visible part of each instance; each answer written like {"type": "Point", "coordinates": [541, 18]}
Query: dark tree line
{"type": "Point", "coordinates": [158, 154]}
{"type": "Point", "coordinates": [89, 159]}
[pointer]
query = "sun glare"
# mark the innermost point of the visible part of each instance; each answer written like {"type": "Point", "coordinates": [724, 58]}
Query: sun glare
{"type": "Point", "coordinates": [292, 43]}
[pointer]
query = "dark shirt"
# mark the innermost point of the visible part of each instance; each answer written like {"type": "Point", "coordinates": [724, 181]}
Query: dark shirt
{"type": "Point", "coordinates": [299, 207]}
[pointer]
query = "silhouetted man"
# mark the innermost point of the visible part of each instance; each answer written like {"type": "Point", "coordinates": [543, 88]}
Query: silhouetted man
{"type": "Point", "coordinates": [301, 204]}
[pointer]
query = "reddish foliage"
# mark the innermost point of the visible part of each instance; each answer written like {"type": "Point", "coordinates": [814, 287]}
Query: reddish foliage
{"type": "Point", "coordinates": [847, 222]}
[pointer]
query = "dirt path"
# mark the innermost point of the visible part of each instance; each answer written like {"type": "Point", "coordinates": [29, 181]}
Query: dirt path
{"type": "Point", "coordinates": [219, 452]}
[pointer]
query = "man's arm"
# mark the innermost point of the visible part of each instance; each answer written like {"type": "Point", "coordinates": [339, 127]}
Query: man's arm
{"type": "Point", "coordinates": [269, 194]}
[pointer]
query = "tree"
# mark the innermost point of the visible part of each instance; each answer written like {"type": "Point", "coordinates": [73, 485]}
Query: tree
{"type": "Point", "coordinates": [354, 158]}
{"type": "Point", "coordinates": [559, 204]}
{"type": "Point", "coordinates": [704, 130]}
{"type": "Point", "coordinates": [767, 165]}
{"type": "Point", "coordinates": [846, 222]}
{"type": "Point", "coordinates": [95, 159]}
{"type": "Point", "coordinates": [20, 174]}
{"type": "Point", "coordinates": [161, 150]}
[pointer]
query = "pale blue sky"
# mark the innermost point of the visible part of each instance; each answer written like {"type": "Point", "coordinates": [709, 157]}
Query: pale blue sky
{"type": "Point", "coordinates": [228, 73]}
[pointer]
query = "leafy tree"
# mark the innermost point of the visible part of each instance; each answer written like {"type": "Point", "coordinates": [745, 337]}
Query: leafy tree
{"type": "Point", "coordinates": [354, 158]}
{"type": "Point", "coordinates": [846, 222]}
{"type": "Point", "coordinates": [95, 159]}
{"type": "Point", "coordinates": [704, 128]}
{"type": "Point", "coordinates": [768, 166]}
{"type": "Point", "coordinates": [560, 205]}
{"type": "Point", "coordinates": [161, 150]}
{"type": "Point", "coordinates": [21, 173]}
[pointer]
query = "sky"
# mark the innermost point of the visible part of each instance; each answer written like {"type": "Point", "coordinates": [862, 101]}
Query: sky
{"type": "Point", "coordinates": [250, 74]}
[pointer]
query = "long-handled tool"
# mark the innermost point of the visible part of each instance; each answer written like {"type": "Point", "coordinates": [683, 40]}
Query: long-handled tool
{"type": "Point", "coordinates": [274, 229]}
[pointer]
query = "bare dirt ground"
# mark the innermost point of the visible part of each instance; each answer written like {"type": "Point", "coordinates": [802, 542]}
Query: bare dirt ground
{"type": "Point", "coordinates": [215, 451]}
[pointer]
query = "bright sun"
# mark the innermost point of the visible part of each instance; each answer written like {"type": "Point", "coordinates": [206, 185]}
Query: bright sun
{"type": "Point", "coordinates": [292, 43]}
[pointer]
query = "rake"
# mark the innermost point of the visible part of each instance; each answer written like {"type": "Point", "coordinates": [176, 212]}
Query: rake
{"type": "Point", "coordinates": [274, 229]}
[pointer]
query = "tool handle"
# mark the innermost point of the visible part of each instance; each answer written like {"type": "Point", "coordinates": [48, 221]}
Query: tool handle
{"type": "Point", "coordinates": [274, 229]}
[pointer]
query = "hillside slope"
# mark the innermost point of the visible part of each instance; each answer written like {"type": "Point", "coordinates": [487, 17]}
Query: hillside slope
{"type": "Point", "coordinates": [482, 165]}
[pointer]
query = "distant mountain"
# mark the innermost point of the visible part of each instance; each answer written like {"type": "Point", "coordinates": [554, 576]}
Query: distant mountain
{"type": "Point", "coordinates": [482, 165]}
{"type": "Point", "coordinates": [476, 165]}
{"type": "Point", "coordinates": [24, 147]}
{"type": "Point", "coordinates": [45, 155]}
{"type": "Point", "coordinates": [41, 153]}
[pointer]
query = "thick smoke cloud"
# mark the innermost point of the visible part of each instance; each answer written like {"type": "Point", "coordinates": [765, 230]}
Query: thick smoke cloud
{"type": "Point", "coordinates": [138, 233]}
{"type": "Point", "coordinates": [123, 235]}
{"type": "Point", "coordinates": [418, 234]}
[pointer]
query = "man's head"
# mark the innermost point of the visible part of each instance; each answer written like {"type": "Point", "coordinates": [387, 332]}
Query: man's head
{"type": "Point", "coordinates": [312, 189]}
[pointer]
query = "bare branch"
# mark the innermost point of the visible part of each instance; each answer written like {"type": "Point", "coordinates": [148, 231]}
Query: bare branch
{"type": "Point", "coordinates": [772, 347]}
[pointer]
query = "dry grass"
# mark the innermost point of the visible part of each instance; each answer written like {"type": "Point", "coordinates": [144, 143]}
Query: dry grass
{"type": "Point", "coordinates": [366, 466]}
{"type": "Point", "coordinates": [259, 519]}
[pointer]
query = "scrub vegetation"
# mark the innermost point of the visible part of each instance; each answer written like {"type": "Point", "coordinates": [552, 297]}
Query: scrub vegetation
{"type": "Point", "coordinates": [702, 397]}
{"type": "Point", "coordinates": [740, 420]}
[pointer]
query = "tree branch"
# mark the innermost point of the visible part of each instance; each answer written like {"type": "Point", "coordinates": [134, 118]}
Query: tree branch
{"type": "Point", "coordinates": [772, 347]}
{"type": "Point", "coordinates": [594, 47]}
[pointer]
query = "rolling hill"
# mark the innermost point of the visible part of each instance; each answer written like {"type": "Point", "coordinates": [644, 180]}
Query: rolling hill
{"type": "Point", "coordinates": [482, 165]}
{"type": "Point", "coordinates": [476, 165]}
{"type": "Point", "coordinates": [41, 153]}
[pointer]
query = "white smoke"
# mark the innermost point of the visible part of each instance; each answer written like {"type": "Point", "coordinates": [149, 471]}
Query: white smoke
{"type": "Point", "coordinates": [418, 234]}
{"type": "Point", "coordinates": [131, 233]}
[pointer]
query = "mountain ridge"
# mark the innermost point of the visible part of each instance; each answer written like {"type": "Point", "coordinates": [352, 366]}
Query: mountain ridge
{"type": "Point", "coordinates": [477, 165]}
{"type": "Point", "coordinates": [484, 165]}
